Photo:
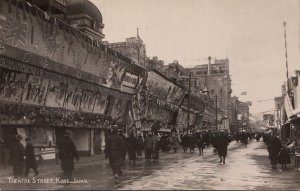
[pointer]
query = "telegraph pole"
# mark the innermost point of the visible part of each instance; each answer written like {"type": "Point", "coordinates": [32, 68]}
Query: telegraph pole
{"type": "Point", "coordinates": [216, 112]}
{"type": "Point", "coordinates": [188, 114]}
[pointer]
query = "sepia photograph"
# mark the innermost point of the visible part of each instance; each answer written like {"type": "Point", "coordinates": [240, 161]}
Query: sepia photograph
{"type": "Point", "coordinates": [149, 95]}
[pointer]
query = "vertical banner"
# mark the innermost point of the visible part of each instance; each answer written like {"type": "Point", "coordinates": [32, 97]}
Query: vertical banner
{"type": "Point", "coordinates": [11, 85]}
{"type": "Point", "coordinates": [35, 90]}
{"type": "Point", "coordinates": [87, 101]}
{"type": "Point", "coordinates": [118, 109]}
{"type": "Point", "coordinates": [101, 103]}
{"type": "Point", "coordinates": [56, 94]}
{"type": "Point", "coordinates": [73, 97]}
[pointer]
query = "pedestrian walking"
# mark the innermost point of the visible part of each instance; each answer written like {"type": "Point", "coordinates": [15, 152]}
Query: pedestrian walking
{"type": "Point", "coordinates": [191, 142]}
{"type": "Point", "coordinates": [175, 142]}
{"type": "Point", "coordinates": [274, 146]}
{"type": "Point", "coordinates": [155, 147]}
{"type": "Point", "coordinates": [132, 143]}
{"type": "Point", "coordinates": [184, 141]}
{"type": "Point", "coordinates": [125, 143]}
{"type": "Point", "coordinates": [244, 139]}
{"type": "Point", "coordinates": [114, 152]}
{"type": "Point", "coordinates": [30, 161]}
{"type": "Point", "coordinates": [16, 157]}
{"type": "Point", "coordinates": [67, 154]}
{"type": "Point", "coordinates": [200, 143]}
{"type": "Point", "coordinates": [148, 147]}
{"type": "Point", "coordinates": [221, 143]}
{"type": "Point", "coordinates": [140, 147]}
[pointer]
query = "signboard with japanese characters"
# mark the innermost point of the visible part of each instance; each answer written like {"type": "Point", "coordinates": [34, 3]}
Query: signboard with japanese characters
{"type": "Point", "coordinates": [119, 109]}
{"type": "Point", "coordinates": [73, 97]}
{"type": "Point", "coordinates": [11, 85]}
{"type": "Point", "coordinates": [56, 94]}
{"type": "Point", "coordinates": [130, 80]}
{"type": "Point", "coordinates": [100, 103]}
{"type": "Point", "coordinates": [87, 101]}
{"type": "Point", "coordinates": [35, 90]}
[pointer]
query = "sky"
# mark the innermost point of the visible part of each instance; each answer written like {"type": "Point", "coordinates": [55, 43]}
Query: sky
{"type": "Point", "coordinates": [249, 33]}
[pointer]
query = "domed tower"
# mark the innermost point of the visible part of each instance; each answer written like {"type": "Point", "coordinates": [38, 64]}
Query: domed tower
{"type": "Point", "coordinates": [86, 17]}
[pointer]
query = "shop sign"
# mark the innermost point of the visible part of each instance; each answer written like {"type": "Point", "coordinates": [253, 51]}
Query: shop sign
{"type": "Point", "coordinates": [48, 43]}
{"type": "Point", "coordinates": [164, 89]}
{"type": "Point", "coordinates": [130, 80]}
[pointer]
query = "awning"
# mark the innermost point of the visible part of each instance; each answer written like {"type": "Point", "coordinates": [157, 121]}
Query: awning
{"type": "Point", "coordinates": [288, 106]}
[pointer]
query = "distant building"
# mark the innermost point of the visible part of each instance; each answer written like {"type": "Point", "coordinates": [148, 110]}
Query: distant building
{"type": "Point", "coordinates": [215, 78]}
{"type": "Point", "coordinates": [133, 48]}
{"type": "Point", "coordinates": [155, 64]}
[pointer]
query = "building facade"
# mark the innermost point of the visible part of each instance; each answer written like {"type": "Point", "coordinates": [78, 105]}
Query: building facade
{"type": "Point", "coordinates": [55, 76]}
{"type": "Point", "coordinates": [215, 79]}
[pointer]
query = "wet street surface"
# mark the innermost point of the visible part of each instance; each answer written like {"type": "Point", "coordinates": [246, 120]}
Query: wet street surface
{"type": "Point", "coordinates": [245, 168]}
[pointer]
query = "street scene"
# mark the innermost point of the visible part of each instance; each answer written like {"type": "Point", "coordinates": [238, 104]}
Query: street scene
{"type": "Point", "coordinates": [149, 95]}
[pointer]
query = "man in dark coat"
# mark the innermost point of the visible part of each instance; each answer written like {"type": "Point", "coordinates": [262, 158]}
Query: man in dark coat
{"type": "Point", "coordinates": [114, 151]}
{"type": "Point", "coordinates": [191, 142]}
{"type": "Point", "coordinates": [16, 158]}
{"type": "Point", "coordinates": [274, 146]}
{"type": "Point", "coordinates": [30, 161]}
{"type": "Point", "coordinates": [221, 143]}
{"type": "Point", "coordinates": [148, 147]}
{"type": "Point", "coordinates": [184, 141]}
{"type": "Point", "coordinates": [132, 142]}
{"type": "Point", "coordinates": [67, 153]}
{"type": "Point", "coordinates": [200, 143]}
{"type": "Point", "coordinates": [140, 146]}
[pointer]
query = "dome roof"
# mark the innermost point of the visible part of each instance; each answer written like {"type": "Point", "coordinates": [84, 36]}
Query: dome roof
{"type": "Point", "coordinates": [83, 7]}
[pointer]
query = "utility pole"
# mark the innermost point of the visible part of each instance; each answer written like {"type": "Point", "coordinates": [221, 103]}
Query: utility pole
{"type": "Point", "coordinates": [188, 115]}
{"type": "Point", "coordinates": [216, 112]}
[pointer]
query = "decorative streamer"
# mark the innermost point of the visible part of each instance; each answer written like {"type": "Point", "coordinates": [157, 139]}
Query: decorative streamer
{"type": "Point", "coordinates": [9, 6]}
{"type": "Point", "coordinates": [29, 10]}
{"type": "Point", "coordinates": [32, 34]}
{"type": "Point", "coordinates": [17, 9]}
{"type": "Point", "coordinates": [24, 10]}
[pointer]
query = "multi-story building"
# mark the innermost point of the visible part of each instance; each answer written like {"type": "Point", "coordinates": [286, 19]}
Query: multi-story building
{"type": "Point", "coordinates": [154, 64]}
{"type": "Point", "coordinates": [133, 48]}
{"type": "Point", "coordinates": [215, 79]}
{"type": "Point", "coordinates": [56, 74]}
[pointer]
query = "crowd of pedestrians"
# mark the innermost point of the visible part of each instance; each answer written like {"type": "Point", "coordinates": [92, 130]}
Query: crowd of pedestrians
{"type": "Point", "coordinates": [152, 143]}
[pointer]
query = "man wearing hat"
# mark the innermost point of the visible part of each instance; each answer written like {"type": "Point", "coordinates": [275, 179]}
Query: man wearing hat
{"type": "Point", "coordinates": [67, 153]}
{"type": "Point", "coordinates": [30, 161]}
{"type": "Point", "coordinates": [16, 158]}
{"type": "Point", "coordinates": [274, 146]}
{"type": "Point", "coordinates": [113, 151]}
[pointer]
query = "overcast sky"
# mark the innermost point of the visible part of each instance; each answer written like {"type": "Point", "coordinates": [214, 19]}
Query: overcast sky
{"type": "Point", "coordinates": [248, 32]}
